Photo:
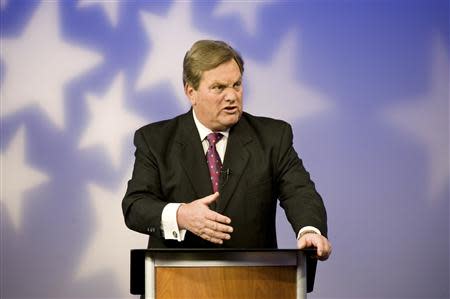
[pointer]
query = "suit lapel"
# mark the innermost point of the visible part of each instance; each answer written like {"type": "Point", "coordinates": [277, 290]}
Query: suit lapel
{"type": "Point", "coordinates": [235, 161]}
{"type": "Point", "coordinates": [192, 157]}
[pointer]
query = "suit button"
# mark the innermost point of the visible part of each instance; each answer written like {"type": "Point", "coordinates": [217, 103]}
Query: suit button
{"type": "Point", "coordinates": [151, 229]}
{"type": "Point", "coordinates": [174, 234]}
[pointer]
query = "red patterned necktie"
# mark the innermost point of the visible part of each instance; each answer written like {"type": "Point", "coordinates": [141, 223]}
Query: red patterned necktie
{"type": "Point", "coordinates": [213, 159]}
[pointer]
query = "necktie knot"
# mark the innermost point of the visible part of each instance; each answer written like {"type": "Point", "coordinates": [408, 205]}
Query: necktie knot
{"type": "Point", "coordinates": [213, 138]}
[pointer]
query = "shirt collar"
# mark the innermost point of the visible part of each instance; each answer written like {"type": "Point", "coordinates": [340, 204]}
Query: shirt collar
{"type": "Point", "coordinates": [204, 131]}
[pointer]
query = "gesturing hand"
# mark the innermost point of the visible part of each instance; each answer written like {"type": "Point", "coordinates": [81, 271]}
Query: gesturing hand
{"type": "Point", "coordinates": [197, 218]}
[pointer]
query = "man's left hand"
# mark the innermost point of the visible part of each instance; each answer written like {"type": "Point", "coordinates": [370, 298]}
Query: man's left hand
{"type": "Point", "coordinates": [317, 241]}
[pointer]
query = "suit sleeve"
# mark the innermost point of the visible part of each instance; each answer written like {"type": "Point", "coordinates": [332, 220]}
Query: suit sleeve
{"type": "Point", "coordinates": [297, 194]}
{"type": "Point", "coordinates": [143, 202]}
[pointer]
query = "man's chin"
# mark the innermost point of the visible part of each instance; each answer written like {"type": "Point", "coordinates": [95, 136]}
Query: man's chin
{"type": "Point", "coordinates": [230, 120]}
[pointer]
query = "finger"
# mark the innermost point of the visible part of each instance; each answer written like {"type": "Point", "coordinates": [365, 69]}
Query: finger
{"type": "Point", "coordinates": [216, 226]}
{"type": "Point", "coordinates": [323, 248]}
{"type": "Point", "coordinates": [320, 249]}
{"type": "Point", "coordinates": [326, 251]}
{"type": "Point", "coordinates": [214, 237]}
{"type": "Point", "coordinates": [216, 217]}
{"type": "Point", "coordinates": [323, 256]}
{"type": "Point", "coordinates": [211, 239]}
{"type": "Point", "coordinates": [207, 232]}
{"type": "Point", "coordinates": [210, 198]}
{"type": "Point", "coordinates": [302, 243]}
{"type": "Point", "coordinates": [217, 235]}
{"type": "Point", "coordinates": [306, 242]}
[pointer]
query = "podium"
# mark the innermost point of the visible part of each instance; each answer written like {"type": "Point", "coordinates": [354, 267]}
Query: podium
{"type": "Point", "coordinates": [222, 273]}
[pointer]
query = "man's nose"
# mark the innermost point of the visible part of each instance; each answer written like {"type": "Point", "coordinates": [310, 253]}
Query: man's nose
{"type": "Point", "coordinates": [231, 95]}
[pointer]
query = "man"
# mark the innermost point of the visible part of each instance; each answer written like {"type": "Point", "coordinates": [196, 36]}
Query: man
{"type": "Point", "coordinates": [212, 177]}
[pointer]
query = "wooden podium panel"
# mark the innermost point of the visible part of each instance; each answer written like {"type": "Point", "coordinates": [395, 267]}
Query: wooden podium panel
{"type": "Point", "coordinates": [225, 282]}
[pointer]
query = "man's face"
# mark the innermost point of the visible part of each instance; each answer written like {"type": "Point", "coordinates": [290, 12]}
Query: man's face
{"type": "Point", "coordinates": [218, 100]}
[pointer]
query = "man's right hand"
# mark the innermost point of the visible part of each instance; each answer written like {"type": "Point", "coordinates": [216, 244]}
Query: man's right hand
{"type": "Point", "coordinates": [197, 218]}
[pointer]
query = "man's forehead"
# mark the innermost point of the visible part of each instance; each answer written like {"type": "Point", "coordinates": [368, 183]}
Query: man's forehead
{"type": "Point", "coordinates": [225, 80]}
{"type": "Point", "coordinates": [224, 73]}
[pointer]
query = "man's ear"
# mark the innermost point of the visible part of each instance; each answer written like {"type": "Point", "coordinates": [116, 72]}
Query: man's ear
{"type": "Point", "coordinates": [190, 93]}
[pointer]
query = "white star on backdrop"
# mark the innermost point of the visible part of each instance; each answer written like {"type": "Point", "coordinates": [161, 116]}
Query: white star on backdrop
{"type": "Point", "coordinates": [247, 11]}
{"type": "Point", "coordinates": [111, 8]}
{"type": "Point", "coordinates": [39, 64]}
{"type": "Point", "coordinates": [281, 95]}
{"type": "Point", "coordinates": [426, 119]}
{"type": "Point", "coordinates": [17, 177]}
{"type": "Point", "coordinates": [3, 4]}
{"type": "Point", "coordinates": [170, 37]}
{"type": "Point", "coordinates": [112, 240]}
{"type": "Point", "coordinates": [110, 121]}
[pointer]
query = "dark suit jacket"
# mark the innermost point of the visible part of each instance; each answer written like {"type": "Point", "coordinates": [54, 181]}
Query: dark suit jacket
{"type": "Point", "coordinates": [263, 166]}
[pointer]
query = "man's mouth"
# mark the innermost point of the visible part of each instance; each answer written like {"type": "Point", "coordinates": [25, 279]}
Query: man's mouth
{"type": "Point", "coordinates": [231, 109]}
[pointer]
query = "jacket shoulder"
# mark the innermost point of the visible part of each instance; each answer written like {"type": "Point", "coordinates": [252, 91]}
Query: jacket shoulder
{"type": "Point", "coordinates": [162, 128]}
{"type": "Point", "coordinates": [262, 123]}
{"type": "Point", "coordinates": [159, 125]}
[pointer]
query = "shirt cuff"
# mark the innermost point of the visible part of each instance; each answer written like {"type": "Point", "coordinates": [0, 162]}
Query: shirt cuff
{"type": "Point", "coordinates": [308, 228]}
{"type": "Point", "coordinates": [169, 224]}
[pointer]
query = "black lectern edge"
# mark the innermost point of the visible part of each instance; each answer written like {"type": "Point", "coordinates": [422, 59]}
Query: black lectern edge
{"type": "Point", "coordinates": [308, 251]}
{"type": "Point", "coordinates": [137, 264]}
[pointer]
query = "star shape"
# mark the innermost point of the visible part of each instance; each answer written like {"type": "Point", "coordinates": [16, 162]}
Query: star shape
{"type": "Point", "coordinates": [246, 10]}
{"type": "Point", "coordinates": [3, 4]}
{"type": "Point", "coordinates": [111, 8]}
{"type": "Point", "coordinates": [39, 64]}
{"type": "Point", "coordinates": [273, 89]}
{"type": "Point", "coordinates": [111, 239]}
{"type": "Point", "coordinates": [425, 119]}
{"type": "Point", "coordinates": [17, 177]}
{"type": "Point", "coordinates": [110, 123]}
{"type": "Point", "coordinates": [170, 37]}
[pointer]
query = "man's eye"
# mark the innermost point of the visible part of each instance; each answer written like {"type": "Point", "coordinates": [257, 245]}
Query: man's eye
{"type": "Point", "coordinates": [237, 84]}
{"type": "Point", "coordinates": [218, 87]}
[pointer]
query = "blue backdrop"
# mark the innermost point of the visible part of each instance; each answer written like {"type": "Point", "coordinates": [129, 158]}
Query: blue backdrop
{"type": "Point", "coordinates": [365, 85]}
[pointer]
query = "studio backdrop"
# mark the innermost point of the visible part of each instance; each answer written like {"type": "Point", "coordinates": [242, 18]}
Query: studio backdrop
{"type": "Point", "coordinates": [365, 85]}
